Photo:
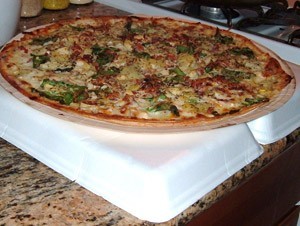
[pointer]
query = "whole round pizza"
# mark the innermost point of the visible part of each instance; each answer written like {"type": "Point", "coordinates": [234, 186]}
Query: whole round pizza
{"type": "Point", "coordinates": [144, 72]}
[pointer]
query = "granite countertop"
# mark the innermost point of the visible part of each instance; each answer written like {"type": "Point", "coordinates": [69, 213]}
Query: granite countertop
{"type": "Point", "coordinates": [33, 194]}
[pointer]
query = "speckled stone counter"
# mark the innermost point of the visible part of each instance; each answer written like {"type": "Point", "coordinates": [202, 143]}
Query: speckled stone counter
{"type": "Point", "coordinates": [33, 194]}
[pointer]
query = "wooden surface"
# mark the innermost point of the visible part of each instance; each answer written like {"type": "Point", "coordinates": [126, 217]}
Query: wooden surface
{"type": "Point", "coordinates": [291, 218]}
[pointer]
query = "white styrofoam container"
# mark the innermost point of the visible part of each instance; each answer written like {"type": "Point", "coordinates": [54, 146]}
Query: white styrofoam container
{"type": "Point", "coordinates": [152, 176]}
{"type": "Point", "coordinates": [280, 123]}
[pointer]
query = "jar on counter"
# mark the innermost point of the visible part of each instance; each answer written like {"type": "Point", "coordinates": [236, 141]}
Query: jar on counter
{"type": "Point", "coordinates": [80, 2]}
{"type": "Point", "coordinates": [31, 8]}
{"type": "Point", "coordinates": [56, 4]}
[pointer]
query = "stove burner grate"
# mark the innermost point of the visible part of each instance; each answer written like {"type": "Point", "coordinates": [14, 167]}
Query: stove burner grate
{"type": "Point", "coordinates": [209, 12]}
{"type": "Point", "coordinates": [294, 35]}
{"type": "Point", "coordinates": [219, 11]}
{"type": "Point", "coordinates": [276, 15]}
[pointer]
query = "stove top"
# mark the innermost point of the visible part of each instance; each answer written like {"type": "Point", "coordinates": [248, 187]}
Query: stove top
{"type": "Point", "coordinates": [276, 20]}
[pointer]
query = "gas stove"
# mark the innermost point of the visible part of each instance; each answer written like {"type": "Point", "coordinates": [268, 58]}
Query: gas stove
{"type": "Point", "coordinates": [275, 26]}
{"type": "Point", "coordinates": [276, 20]}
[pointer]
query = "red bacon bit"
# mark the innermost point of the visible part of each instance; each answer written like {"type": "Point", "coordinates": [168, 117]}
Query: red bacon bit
{"type": "Point", "coordinates": [113, 96]}
{"type": "Point", "coordinates": [96, 65]}
{"type": "Point", "coordinates": [221, 80]}
{"type": "Point", "coordinates": [216, 48]}
{"type": "Point", "coordinates": [156, 40]}
{"type": "Point", "coordinates": [210, 110]}
{"type": "Point", "coordinates": [25, 50]}
{"type": "Point", "coordinates": [201, 82]}
{"type": "Point", "coordinates": [225, 91]}
{"type": "Point", "coordinates": [128, 99]}
{"type": "Point", "coordinates": [190, 28]}
{"type": "Point", "coordinates": [90, 102]}
{"type": "Point", "coordinates": [87, 33]}
{"type": "Point", "coordinates": [223, 63]}
{"type": "Point", "coordinates": [76, 48]}
{"type": "Point", "coordinates": [182, 37]}
{"type": "Point", "coordinates": [200, 85]}
{"type": "Point", "coordinates": [124, 109]}
{"type": "Point", "coordinates": [151, 84]}
{"type": "Point", "coordinates": [212, 65]}
{"type": "Point", "coordinates": [139, 47]}
{"type": "Point", "coordinates": [200, 71]}
{"type": "Point", "coordinates": [271, 68]}
{"type": "Point", "coordinates": [171, 56]}
{"type": "Point", "coordinates": [219, 64]}
{"type": "Point", "coordinates": [76, 51]}
{"type": "Point", "coordinates": [88, 58]}
{"type": "Point", "coordinates": [10, 65]}
{"type": "Point", "coordinates": [105, 28]}
{"type": "Point", "coordinates": [98, 81]}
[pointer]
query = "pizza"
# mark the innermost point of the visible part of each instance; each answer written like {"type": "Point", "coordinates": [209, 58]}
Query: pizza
{"type": "Point", "coordinates": [143, 71]}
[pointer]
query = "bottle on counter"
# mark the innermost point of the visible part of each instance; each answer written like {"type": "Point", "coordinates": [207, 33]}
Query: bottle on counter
{"type": "Point", "coordinates": [56, 4]}
{"type": "Point", "coordinates": [80, 2]}
{"type": "Point", "coordinates": [31, 8]}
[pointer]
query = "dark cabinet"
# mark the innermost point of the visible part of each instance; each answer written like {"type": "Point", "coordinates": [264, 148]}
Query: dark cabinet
{"type": "Point", "coordinates": [267, 198]}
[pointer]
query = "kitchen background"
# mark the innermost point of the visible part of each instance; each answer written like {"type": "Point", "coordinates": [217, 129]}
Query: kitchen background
{"type": "Point", "coordinates": [30, 16]}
